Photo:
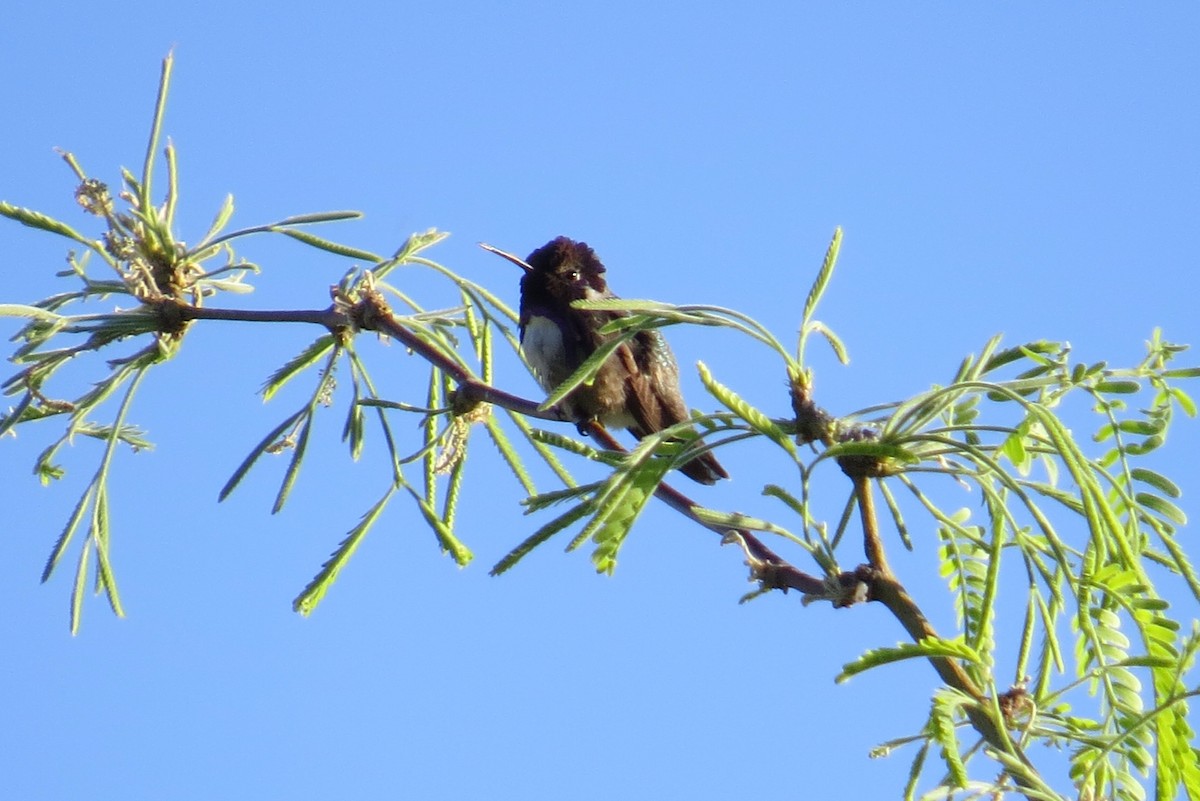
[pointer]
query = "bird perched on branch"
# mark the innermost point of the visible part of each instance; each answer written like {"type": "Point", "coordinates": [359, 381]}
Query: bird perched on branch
{"type": "Point", "coordinates": [637, 388]}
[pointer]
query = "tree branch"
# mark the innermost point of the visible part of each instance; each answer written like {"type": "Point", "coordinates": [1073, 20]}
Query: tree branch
{"type": "Point", "coordinates": [330, 318]}
{"type": "Point", "coordinates": [372, 313]}
{"type": "Point", "coordinates": [884, 587]}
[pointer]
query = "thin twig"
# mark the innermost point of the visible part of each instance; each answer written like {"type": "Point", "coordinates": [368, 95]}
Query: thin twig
{"type": "Point", "coordinates": [330, 318]}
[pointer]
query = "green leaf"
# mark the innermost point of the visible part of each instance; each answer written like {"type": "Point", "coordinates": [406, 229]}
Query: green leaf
{"type": "Point", "coordinates": [1145, 446]}
{"type": "Point", "coordinates": [450, 543]}
{"type": "Point", "coordinates": [100, 535]}
{"type": "Point", "coordinates": [64, 539]}
{"type": "Point", "coordinates": [540, 536]}
{"type": "Point", "coordinates": [293, 468]}
{"type": "Point", "coordinates": [77, 591]}
{"type": "Point", "coordinates": [880, 450]}
{"type": "Point", "coordinates": [617, 509]}
{"type": "Point", "coordinates": [587, 371]}
{"type": "Point", "coordinates": [1013, 447]}
{"type": "Point", "coordinates": [835, 342]}
{"type": "Point", "coordinates": [510, 455]}
{"type": "Point", "coordinates": [307, 601]}
{"type": "Point", "coordinates": [353, 432]}
{"type": "Point", "coordinates": [314, 217]}
{"type": "Point", "coordinates": [297, 364]}
{"type": "Point", "coordinates": [277, 227]}
{"type": "Point", "coordinates": [33, 312]}
{"type": "Point", "coordinates": [256, 452]}
{"type": "Point", "coordinates": [914, 772]}
{"type": "Point", "coordinates": [40, 221]}
{"type": "Point", "coordinates": [1118, 387]}
{"type": "Point", "coordinates": [817, 290]}
{"type": "Point", "coordinates": [942, 730]}
{"type": "Point", "coordinates": [734, 520]}
{"type": "Point", "coordinates": [1163, 507]}
{"type": "Point", "coordinates": [793, 503]}
{"type": "Point", "coordinates": [929, 647]}
{"type": "Point", "coordinates": [1156, 480]}
{"type": "Point", "coordinates": [16, 414]}
{"type": "Point", "coordinates": [653, 314]}
{"type": "Point", "coordinates": [454, 485]}
{"type": "Point", "coordinates": [536, 503]}
{"type": "Point", "coordinates": [757, 420]}
{"type": "Point", "coordinates": [540, 435]}
{"type": "Point", "coordinates": [218, 224]}
{"type": "Point", "coordinates": [145, 202]}
{"type": "Point", "coordinates": [1141, 427]}
{"type": "Point", "coordinates": [1185, 401]}
{"type": "Point", "coordinates": [897, 516]}
{"type": "Point", "coordinates": [1017, 353]}
{"type": "Point", "coordinates": [330, 247]}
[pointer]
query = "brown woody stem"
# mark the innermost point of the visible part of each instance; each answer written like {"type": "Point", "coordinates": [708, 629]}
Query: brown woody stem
{"type": "Point", "coordinates": [887, 590]}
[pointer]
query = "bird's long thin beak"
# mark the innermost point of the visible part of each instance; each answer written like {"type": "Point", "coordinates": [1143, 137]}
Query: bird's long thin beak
{"type": "Point", "coordinates": [504, 254]}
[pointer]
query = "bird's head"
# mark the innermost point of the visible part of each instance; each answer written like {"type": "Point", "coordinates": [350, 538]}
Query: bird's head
{"type": "Point", "coordinates": [562, 271]}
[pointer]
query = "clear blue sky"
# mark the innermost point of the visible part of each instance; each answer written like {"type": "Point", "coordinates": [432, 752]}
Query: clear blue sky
{"type": "Point", "coordinates": [1026, 169]}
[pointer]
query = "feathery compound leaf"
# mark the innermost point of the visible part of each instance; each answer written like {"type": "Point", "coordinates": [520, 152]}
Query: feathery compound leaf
{"type": "Point", "coordinates": [651, 307]}
{"type": "Point", "coordinates": [542, 436]}
{"type": "Point", "coordinates": [807, 324]}
{"type": "Point", "coordinates": [536, 503]}
{"type": "Point", "coordinates": [835, 342]}
{"type": "Point", "coordinates": [1182, 372]}
{"type": "Point", "coordinates": [823, 276]}
{"type": "Point", "coordinates": [77, 591]}
{"type": "Point", "coordinates": [64, 539]}
{"type": "Point", "coordinates": [756, 419]}
{"type": "Point", "coordinates": [1118, 387]}
{"type": "Point", "coordinates": [897, 516]}
{"type": "Point", "coordinates": [547, 455]}
{"type": "Point", "coordinates": [450, 543]}
{"type": "Point", "coordinates": [293, 468]}
{"type": "Point", "coordinates": [735, 520]}
{"type": "Point", "coordinates": [160, 108]}
{"type": "Point", "coordinates": [264, 444]}
{"type": "Point", "coordinates": [941, 729]}
{"type": "Point", "coordinates": [1163, 507]}
{"type": "Point", "coordinates": [34, 219]}
{"type": "Point", "coordinates": [878, 450]}
{"type": "Point", "coordinates": [928, 647]}
{"type": "Point", "coordinates": [105, 577]}
{"type": "Point", "coordinates": [619, 509]}
{"type": "Point", "coordinates": [278, 227]}
{"type": "Point", "coordinates": [354, 429]}
{"type": "Point", "coordinates": [541, 535]}
{"type": "Point", "coordinates": [1009, 355]}
{"type": "Point", "coordinates": [312, 594]}
{"type": "Point", "coordinates": [1156, 480]}
{"type": "Point", "coordinates": [793, 503]}
{"type": "Point", "coordinates": [320, 217]}
{"type": "Point", "coordinates": [587, 371]}
{"type": "Point", "coordinates": [509, 453]}
{"type": "Point", "coordinates": [218, 224]}
{"type": "Point", "coordinates": [330, 247]}
{"type": "Point", "coordinates": [454, 485]}
{"type": "Point", "coordinates": [33, 312]}
{"type": "Point", "coordinates": [294, 366]}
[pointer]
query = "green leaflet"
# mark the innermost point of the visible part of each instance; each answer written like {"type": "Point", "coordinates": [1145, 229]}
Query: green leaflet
{"type": "Point", "coordinates": [756, 419]}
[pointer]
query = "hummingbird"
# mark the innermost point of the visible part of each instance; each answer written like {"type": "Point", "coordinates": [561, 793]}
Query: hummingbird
{"type": "Point", "coordinates": [637, 388]}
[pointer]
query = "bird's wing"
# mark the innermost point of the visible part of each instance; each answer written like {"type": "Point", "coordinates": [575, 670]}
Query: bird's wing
{"type": "Point", "coordinates": [654, 399]}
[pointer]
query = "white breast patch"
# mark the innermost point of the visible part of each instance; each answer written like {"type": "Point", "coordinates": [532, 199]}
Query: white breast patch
{"type": "Point", "coordinates": [542, 346]}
